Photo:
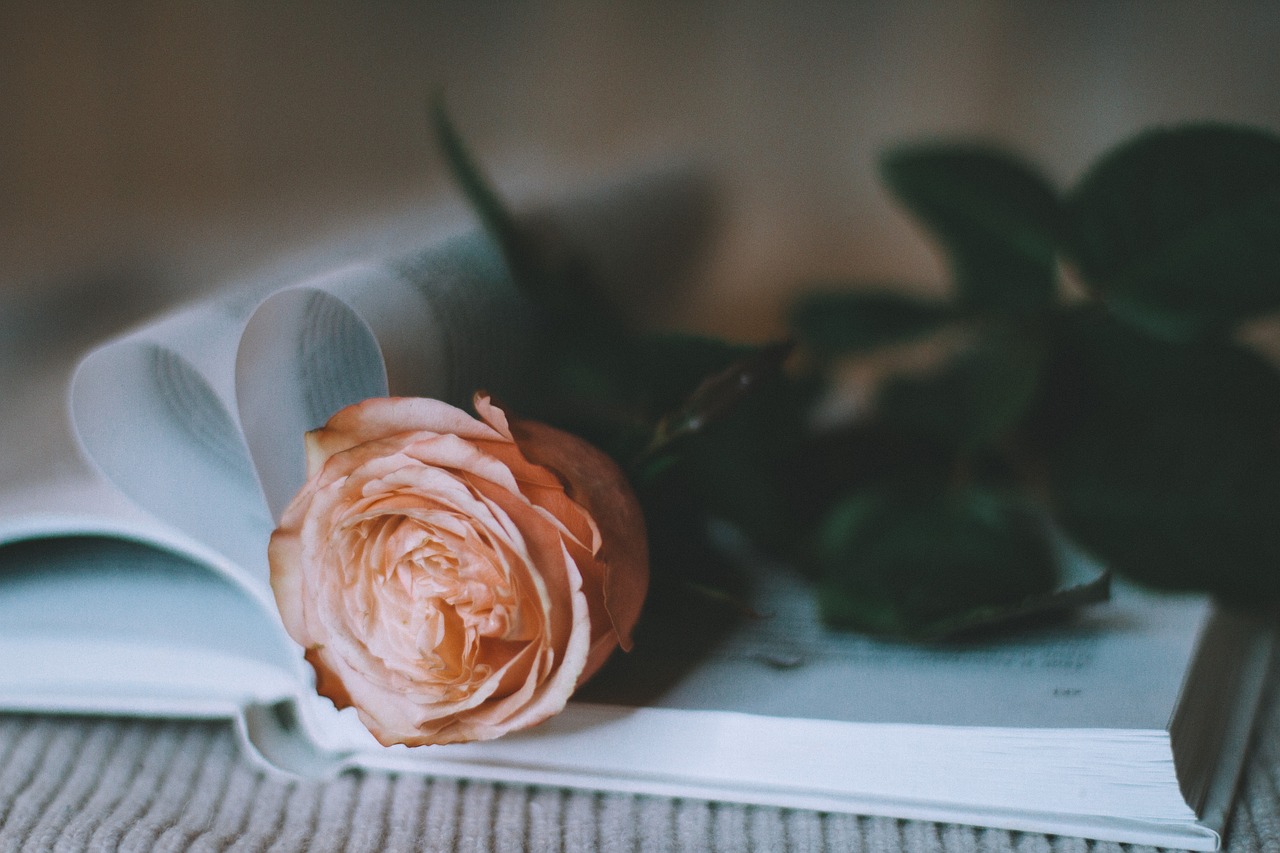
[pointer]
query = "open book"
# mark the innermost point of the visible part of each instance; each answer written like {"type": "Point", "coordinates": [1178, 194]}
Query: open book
{"type": "Point", "coordinates": [137, 583]}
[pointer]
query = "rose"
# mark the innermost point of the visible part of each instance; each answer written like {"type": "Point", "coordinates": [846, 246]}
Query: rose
{"type": "Point", "coordinates": [455, 579]}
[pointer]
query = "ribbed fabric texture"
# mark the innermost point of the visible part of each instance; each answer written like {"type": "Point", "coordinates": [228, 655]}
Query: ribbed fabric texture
{"type": "Point", "coordinates": [73, 784]}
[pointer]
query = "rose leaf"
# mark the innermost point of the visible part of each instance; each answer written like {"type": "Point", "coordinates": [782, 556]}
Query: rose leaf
{"type": "Point", "coordinates": [719, 394]}
{"type": "Point", "coordinates": [666, 367]}
{"type": "Point", "coordinates": [736, 461]}
{"type": "Point", "coordinates": [1178, 230]}
{"type": "Point", "coordinates": [922, 565]}
{"type": "Point", "coordinates": [852, 322]}
{"type": "Point", "coordinates": [864, 454]}
{"type": "Point", "coordinates": [974, 401]}
{"type": "Point", "coordinates": [736, 480]}
{"type": "Point", "coordinates": [997, 217]}
{"type": "Point", "coordinates": [1098, 362]}
{"type": "Point", "coordinates": [1173, 494]}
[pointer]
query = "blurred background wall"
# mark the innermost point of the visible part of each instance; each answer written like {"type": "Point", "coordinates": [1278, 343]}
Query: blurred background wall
{"type": "Point", "coordinates": [203, 137]}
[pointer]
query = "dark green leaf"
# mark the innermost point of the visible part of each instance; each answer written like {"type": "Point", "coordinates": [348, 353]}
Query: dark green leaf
{"type": "Point", "coordinates": [644, 399]}
{"type": "Point", "coordinates": [740, 463]}
{"type": "Point", "coordinates": [974, 401]}
{"type": "Point", "coordinates": [920, 565]}
{"type": "Point", "coordinates": [741, 488]}
{"type": "Point", "coordinates": [861, 455]}
{"type": "Point", "coordinates": [1099, 364]}
{"type": "Point", "coordinates": [735, 461]}
{"type": "Point", "coordinates": [1056, 602]}
{"type": "Point", "coordinates": [720, 393]}
{"type": "Point", "coordinates": [667, 367]}
{"type": "Point", "coordinates": [1179, 229]}
{"type": "Point", "coordinates": [1165, 462]}
{"type": "Point", "coordinates": [849, 322]}
{"type": "Point", "coordinates": [999, 219]}
{"type": "Point", "coordinates": [1187, 502]}
{"type": "Point", "coordinates": [615, 396]}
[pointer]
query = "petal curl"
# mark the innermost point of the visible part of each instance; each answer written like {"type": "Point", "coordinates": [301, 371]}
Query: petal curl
{"type": "Point", "coordinates": [593, 480]}
{"type": "Point", "coordinates": [381, 417]}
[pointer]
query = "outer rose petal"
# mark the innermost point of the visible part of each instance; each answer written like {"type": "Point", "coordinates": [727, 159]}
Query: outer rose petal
{"type": "Point", "coordinates": [593, 480]}
{"type": "Point", "coordinates": [384, 417]}
{"type": "Point", "coordinates": [555, 528]}
{"type": "Point", "coordinates": [328, 684]}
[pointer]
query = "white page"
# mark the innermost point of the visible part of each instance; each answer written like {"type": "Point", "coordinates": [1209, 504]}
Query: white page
{"type": "Point", "coordinates": [1119, 664]}
{"type": "Point", "coordinates": [366, 330]}
{"type": "Point", "coordinates": [155, 410]}
{"type": "Point", "coordinates": [103, 607]}
{"type": "Point", "coordinates": [103, 622]}
{"type": "Point", "coordinates": [171, 403]}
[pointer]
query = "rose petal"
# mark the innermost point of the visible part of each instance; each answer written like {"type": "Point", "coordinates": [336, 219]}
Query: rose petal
{"type": "Point", "coordinates": [284, 557]}
{"type": "Point", "coordinates": [381, 417]}
{"type": "Point", "coordinates": [491, 413]}
{"type": "Point", "coordinates": [599, 486]}
{"type": "Point", "coordinates": [328, 684]}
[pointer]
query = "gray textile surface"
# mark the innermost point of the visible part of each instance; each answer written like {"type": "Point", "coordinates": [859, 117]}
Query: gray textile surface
{"type": "Point", "coordinates": [72, 784]}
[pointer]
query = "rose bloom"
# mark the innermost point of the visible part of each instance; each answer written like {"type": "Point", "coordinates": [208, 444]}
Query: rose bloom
{"type": "Point", "coordinates": [455, 579]}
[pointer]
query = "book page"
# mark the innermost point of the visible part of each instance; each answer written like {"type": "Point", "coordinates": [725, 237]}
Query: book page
{"type": "Point", "coordinates": [103, 607]}
{"type": "Point", "coordinates": [220, 392]}
{"type": "Point", "coordinates": [445, 320]}
{"type": "Point", "coordinates": [156, 409]}
{"type": "Point", "coordinates": [414, 325]}
{"type": "Point", "coordinates": [96, 621]}
{"type": "Point", "coordinates": [1116, 664]}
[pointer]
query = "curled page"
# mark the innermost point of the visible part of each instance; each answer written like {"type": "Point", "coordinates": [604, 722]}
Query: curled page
{"type": "Point", "coordinates": [155, 413]}
{"type": "Point", "coordinates": [445, 321]}
{"type": "Point", "coordinates": [420, 325]}
{"type": "Point", "coordinates": [198, 417]}
{"type": "Point", "coordinates": [103, 607]}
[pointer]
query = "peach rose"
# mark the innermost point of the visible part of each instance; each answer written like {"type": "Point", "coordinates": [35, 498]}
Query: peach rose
{"type": "Point", "coordinates": [455, 579]}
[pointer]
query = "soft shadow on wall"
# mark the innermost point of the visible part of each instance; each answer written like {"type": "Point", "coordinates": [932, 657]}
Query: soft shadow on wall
{"type": "Point", "coordinates": [206, 137]}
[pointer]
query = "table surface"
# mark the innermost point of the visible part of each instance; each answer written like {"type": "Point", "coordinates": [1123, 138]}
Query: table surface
{"type": "Point", "coordinates": [105, 784]}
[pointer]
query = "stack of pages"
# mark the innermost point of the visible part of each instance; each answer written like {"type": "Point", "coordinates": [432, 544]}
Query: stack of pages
{"type": "Point", "coordinates": [137, 583]}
